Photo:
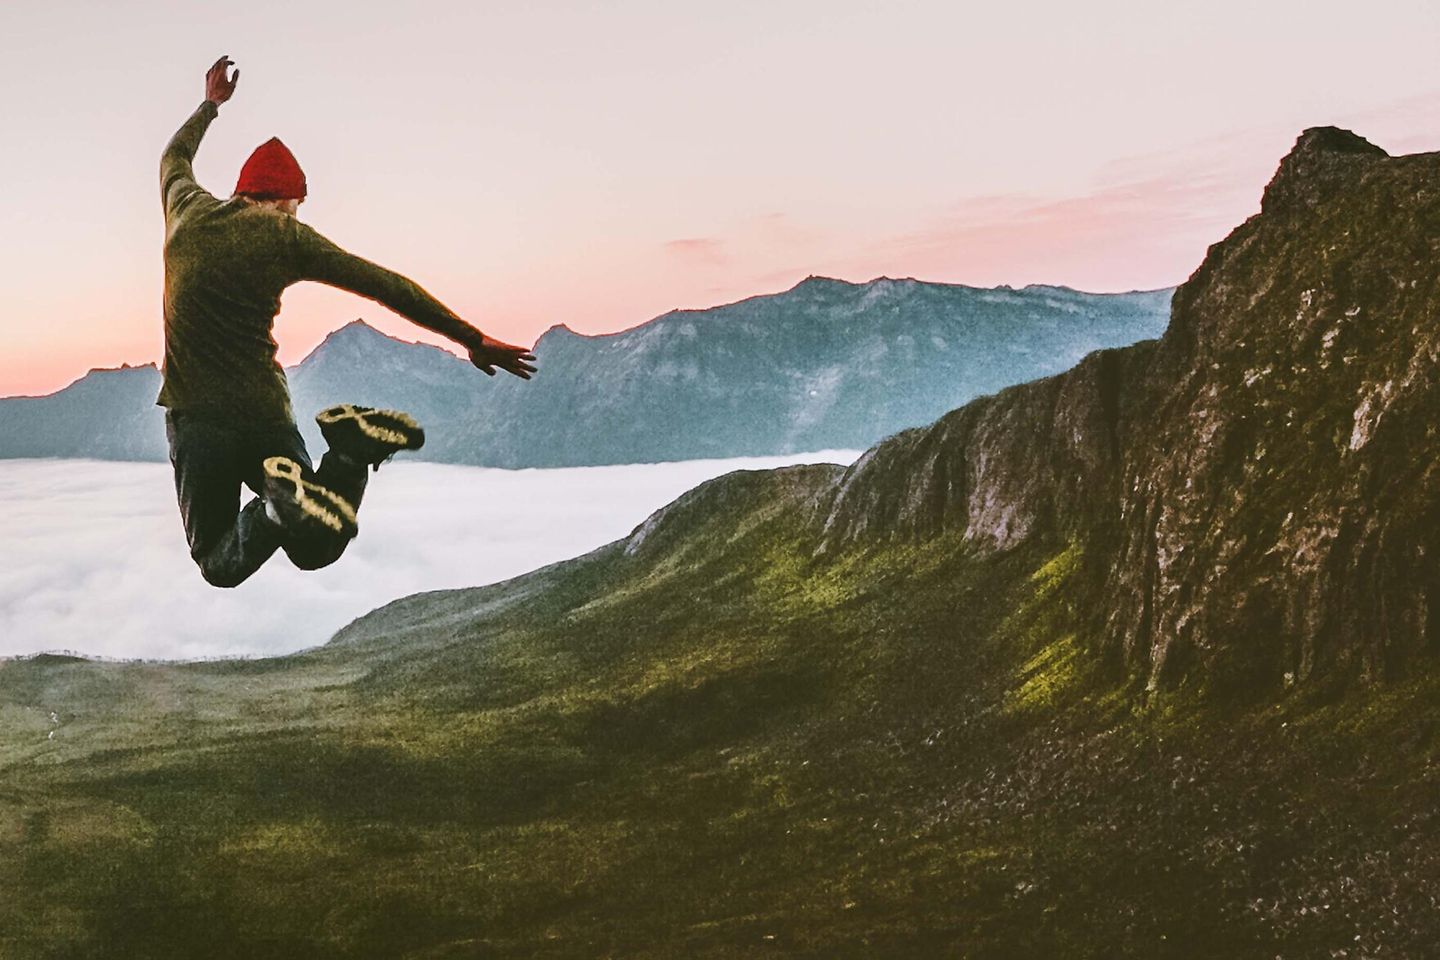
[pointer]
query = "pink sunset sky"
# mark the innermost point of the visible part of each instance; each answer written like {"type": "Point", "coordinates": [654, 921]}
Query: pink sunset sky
{"type": "Point", "coordinates": [596, 164]}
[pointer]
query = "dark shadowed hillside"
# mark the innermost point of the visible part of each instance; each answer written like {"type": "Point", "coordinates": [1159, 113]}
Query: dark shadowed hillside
{"type": "Point", "coordinates": [1134, 661]}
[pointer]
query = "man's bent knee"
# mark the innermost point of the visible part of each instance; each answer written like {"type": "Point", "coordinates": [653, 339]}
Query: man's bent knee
{"type": "Point", "coordinates": [315, 556]}
{"type": "Point", "coordinates": [221, 576]}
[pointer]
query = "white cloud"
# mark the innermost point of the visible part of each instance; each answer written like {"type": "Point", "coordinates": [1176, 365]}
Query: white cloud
{"type": "Point", "coordinates": [93, 558]}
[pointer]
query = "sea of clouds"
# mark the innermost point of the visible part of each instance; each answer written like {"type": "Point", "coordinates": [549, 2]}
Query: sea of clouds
{"type": "Point", "coordinates": [93, 558]}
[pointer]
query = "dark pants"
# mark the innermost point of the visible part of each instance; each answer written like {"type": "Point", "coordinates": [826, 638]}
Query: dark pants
{"type": "Point", "coordinates": [212, 458]}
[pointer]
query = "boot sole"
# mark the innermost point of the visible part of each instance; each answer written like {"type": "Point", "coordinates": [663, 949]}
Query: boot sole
{"type": "Point", "coordinates": [304, 504]}
{"type": "Point", "coordinates": [380, 433]}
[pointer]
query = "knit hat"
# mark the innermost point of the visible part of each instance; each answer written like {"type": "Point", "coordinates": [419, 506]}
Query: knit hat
{"type": "Point", "coordinates": [272, 173]}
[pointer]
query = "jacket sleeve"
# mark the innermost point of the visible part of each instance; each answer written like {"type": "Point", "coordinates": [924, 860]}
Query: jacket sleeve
{"type": "Point", "coordinates": [177, 178]}
{"type": "Point", "coordinates": [317, 258]}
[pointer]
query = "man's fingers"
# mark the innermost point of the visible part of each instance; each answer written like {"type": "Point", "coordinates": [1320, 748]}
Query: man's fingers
{"type": "Point", "coordinates": [235, 78]}
{"type": "Point", "coordinates": [508, 357]}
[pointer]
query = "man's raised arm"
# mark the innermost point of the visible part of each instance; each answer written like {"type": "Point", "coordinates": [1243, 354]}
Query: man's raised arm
{"type": "Point", "coordinates": [317, 258]}
{"type": "Point", "coordinates": [177, 178]}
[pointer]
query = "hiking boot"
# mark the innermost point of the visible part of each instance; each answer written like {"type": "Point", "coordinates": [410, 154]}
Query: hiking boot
{"type": "Point", "coordinates": [303, 505]}
{"type": "Point", "coordinates": [365, 435]}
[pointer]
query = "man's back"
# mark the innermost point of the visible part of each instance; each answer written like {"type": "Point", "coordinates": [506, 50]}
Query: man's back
{"type": "Point", "coordinates": [226, 264]}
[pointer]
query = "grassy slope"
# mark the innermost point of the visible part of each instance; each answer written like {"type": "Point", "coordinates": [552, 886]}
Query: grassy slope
{"type": "Point", "coordinates": [713, 747]}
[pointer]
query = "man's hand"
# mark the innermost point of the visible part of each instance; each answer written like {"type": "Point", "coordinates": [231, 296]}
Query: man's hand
{"type": "Point", "coordinates": [217, 88]}
{"type": "Point", "coordinates": [487, 354]}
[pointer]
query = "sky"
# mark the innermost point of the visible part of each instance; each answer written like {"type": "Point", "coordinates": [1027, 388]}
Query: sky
{"type": "Point", "coordinates": [95, 558]}
{"type": "Point", "coordinates": [599, 163]}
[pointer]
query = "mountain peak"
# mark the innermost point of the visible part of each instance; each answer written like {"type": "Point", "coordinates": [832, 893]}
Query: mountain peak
{"type": "Point", "coordinates": [357, 335]}
{"type": "Point", "coordinates": [817, 283]}
{"type": "Point", "coordinates": [1333, 140]}
{"type": "Point", "coordinates": [1320, 161]}
{"type": "Point", "coordinates": [357, 328]}
{"type": "Point", "coordinates": [886, 283]}
{"type": "Point", "coordinates": [124, 367]}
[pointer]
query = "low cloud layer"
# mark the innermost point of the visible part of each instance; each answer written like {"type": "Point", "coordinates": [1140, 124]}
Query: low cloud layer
{"type": "Point", "coordinates": [93, 558]}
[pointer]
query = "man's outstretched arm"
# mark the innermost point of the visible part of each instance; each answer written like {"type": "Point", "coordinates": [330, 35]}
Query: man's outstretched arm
{"type": "Point", "coordinates": [177, 178]}
{"type": "Point", "coordinates": [319, 259]}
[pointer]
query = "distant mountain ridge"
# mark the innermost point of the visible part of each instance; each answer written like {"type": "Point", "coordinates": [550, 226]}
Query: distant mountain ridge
{"type": "Point", "coordinates": [825, 365]}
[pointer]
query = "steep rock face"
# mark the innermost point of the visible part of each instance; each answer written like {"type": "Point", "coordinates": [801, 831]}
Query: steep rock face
{"type": "Point", "coordinates": [1043, 456]}
{"type": "Point", "coordinates": [1258, 492]}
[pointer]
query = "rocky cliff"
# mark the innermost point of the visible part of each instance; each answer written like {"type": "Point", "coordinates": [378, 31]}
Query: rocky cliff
{"type": "Point", "coordinates": [1259, 491]}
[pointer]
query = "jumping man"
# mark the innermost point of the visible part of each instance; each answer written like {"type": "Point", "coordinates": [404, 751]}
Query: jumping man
{"type": "Point", "coordinates": [228, 416]}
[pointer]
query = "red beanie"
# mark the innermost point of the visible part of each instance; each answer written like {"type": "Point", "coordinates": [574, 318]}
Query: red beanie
{"type": "Point", "coordinates": [271, 173]}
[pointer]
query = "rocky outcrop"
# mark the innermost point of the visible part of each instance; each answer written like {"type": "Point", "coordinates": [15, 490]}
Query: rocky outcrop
{"type": "Point", "coordinates": [1259, 491]}
{"type": "Point", "coordinates": [1043, 456]}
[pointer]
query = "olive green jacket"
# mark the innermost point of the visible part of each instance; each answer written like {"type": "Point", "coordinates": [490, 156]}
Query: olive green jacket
{"type": "Point", "coordinates": [226, 264]}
